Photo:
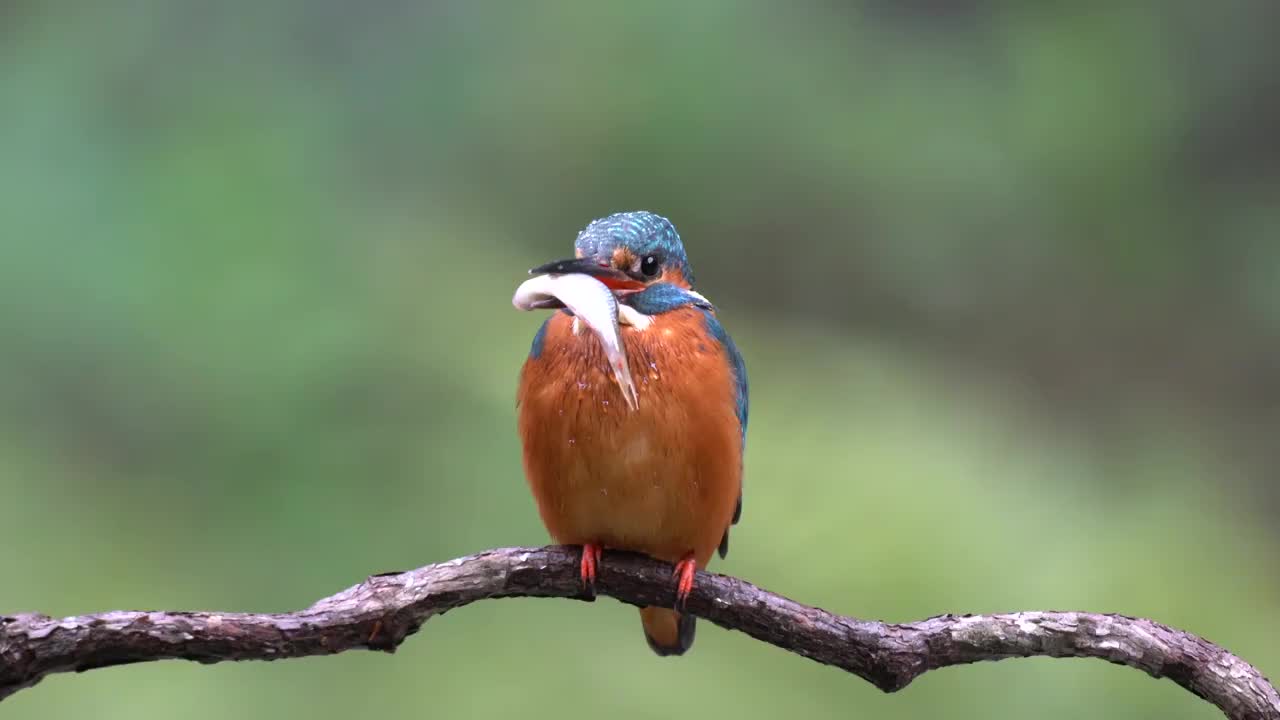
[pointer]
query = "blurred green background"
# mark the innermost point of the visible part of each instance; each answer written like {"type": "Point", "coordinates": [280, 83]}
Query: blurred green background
{"type": "Point", "coordinates": [1007, 282]}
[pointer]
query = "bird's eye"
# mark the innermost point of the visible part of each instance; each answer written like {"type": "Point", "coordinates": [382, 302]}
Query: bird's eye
{"type": "Point", "coordinates": [649, 266]}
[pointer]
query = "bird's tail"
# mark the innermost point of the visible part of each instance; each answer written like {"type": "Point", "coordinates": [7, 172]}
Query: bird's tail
{"type": "Point", "coordinates": [668, 632]}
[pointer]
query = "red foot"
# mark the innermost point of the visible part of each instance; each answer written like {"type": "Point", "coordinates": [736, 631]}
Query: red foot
{"type": "Point", "coordinates": [684, 572]}
{"type": "Point", "coordinates": [591, 554]}
{"type": "Point", "coordinates": [373, 634]}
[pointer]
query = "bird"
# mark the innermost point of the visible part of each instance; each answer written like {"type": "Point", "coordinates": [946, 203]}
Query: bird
{"type": "Point", "coordinates": [665, 478]}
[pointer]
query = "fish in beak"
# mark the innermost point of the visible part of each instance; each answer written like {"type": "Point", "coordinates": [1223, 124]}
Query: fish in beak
{"type": "Point", "coordinates": [593, 302]}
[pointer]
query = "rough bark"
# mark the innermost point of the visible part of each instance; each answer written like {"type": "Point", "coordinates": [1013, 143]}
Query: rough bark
{"type": "Point", "coordinates": [382, 611]}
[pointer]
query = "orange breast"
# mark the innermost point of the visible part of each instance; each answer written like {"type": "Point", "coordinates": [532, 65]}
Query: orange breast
{"type": "Point", "coordinates": [663, 479]}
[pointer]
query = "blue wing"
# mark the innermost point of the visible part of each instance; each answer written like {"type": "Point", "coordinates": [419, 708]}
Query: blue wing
{"type": "Point", "coordinates": [739, 370]}
{"type": "Point", "coordinates": [743, 403]}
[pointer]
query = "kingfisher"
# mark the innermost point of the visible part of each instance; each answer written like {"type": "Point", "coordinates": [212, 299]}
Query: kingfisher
{"type": "Point", "coordinates": [661, 477]}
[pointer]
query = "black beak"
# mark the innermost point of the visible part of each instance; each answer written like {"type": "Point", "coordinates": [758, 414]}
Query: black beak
{"type": "Point", "coordinates": [613, 278]}
{"type": "Point", "coordinates": [579, 265]}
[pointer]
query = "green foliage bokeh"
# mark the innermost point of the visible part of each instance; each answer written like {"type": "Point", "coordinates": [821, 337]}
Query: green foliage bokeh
{"type": "Point", "coordinates": [1004, 280]}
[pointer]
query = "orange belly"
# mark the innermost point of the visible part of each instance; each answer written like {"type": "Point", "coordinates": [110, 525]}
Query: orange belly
{"type": "Point", "coordinates": [663, 479]}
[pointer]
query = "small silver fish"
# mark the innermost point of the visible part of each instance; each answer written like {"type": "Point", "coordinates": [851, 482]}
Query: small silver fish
{"type": "Point", "coordinates": [595, 305]}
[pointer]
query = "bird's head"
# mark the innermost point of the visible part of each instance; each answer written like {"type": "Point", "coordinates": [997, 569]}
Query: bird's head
{"type": "Point", "coordinates": [628, 252]}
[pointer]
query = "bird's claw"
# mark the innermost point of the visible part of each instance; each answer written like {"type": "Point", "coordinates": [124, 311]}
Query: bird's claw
{"type": "Point", "coordinates": [591, 555]}
{"type": "Point", "coordinates": [684, 573]}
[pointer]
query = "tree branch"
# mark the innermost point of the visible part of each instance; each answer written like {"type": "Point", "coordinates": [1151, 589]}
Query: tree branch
{"type": "Point", "coordinates": [382, 611]}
